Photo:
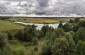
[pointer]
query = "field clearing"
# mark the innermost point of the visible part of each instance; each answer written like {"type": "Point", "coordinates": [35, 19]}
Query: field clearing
{"type": "Point", "coordinates": [7, 25]}
{"type": "Point", "coordinates": [35, 20]}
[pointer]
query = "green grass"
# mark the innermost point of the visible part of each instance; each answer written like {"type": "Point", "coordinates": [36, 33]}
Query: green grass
{"type": "Point", "coordinates": [6, 25]}
{"type": "Point", "coordinates": [35, 20]}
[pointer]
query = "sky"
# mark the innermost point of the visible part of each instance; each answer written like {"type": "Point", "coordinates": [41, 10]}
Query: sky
{"type": "Point", "coordinates": [43, 7]}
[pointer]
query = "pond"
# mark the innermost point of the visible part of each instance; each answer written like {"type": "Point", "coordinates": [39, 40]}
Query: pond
{"type": "Point", "coordinates": [39, 26]}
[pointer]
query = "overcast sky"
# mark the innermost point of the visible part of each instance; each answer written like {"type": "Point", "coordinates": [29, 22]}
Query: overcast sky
{"type": "Point", "coordinates": [43, 7]}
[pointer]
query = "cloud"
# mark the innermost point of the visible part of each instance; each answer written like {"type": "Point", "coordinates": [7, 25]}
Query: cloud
{"type": "Point", "coordinates": [43, 7]}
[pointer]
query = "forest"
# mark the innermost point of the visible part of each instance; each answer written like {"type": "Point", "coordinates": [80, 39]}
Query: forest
{"type": "Point", "coordinates": [67, 39]}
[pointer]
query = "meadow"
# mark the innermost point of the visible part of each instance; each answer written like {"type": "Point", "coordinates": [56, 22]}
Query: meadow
{"type": "Point", "coordinates": [36, 20]}
{"type": "Point", "coordinates": [7, 25]}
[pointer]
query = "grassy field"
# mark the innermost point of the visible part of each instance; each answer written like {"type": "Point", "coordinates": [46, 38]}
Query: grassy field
{"type": "Point", "coordinates": [35, 20]}
{"type": "Point", "coordinates": [6, 25]}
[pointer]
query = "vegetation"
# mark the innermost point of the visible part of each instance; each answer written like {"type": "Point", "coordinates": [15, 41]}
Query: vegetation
{"type": "Point", "coordinates": [35, 20]}
{"type": "Point", "coordinates": [67, 39]}
{"type": "Point", "coordinates": [6, 25]}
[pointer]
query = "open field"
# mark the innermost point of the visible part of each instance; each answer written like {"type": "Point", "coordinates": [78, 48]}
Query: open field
{"type": "Point", "coordinates": [35, 20]}
{"type": "Point", "coordinates": [6, 25]}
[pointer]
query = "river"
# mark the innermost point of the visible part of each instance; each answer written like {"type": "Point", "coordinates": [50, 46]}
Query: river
{"type": "Point", "coordinates": [39, 26]}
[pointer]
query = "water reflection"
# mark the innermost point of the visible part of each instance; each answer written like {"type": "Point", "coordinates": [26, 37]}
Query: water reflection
{"type": "Point", "coordinates": [39, 26]}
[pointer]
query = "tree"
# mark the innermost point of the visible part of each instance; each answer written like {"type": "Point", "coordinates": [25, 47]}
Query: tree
{"type": "Point", "coordinates": [71, 21]}
{"type": "Point", "coordinates": [29, 32]}
{"type": "Point", "coordinates": [66, 27]}
{"type": "Point", "coordinates": [82, 23]}
{"type": "Point", "coordinates": [10, 36]}
{"type": "Point", "coordinates": [80, 48]}
{"type": "Point", "coordinates": [20, 35]}
{"type": "Point", "coordinates": [59, 32]}
{"type": "Point", "coordinates": [45, 29]}
{"type": "Point", "coordinates": [39, 34]}
{"type": "Point", "coordinates": [60, 25]}
{"type": "Point", "coordinates": [71, 46]}
{"type": "Point", "coordinates": [77, 20]}
{"type": "Point", "coordinates": [60, 46]}
{"type": "Point", "coordinates": [80, 34]}
{"type": "Point", "coordinates": [50, 36]}
{"type": "Point", "coordinates": [75, 27]}
{"type": "Point", "coordinates": [46, 49]}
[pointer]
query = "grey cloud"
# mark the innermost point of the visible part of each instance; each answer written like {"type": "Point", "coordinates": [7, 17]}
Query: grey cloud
{"type": "Point", "coordinates": [44, 7]}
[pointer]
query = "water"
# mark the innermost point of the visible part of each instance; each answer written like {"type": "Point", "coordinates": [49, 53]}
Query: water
{"type": "Point", "coordinates": [39, 26]}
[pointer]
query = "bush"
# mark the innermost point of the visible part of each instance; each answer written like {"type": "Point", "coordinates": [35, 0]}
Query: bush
{"type": "Point", "coordinates": [7, 50]}
{"type": "Point", "coordinates": [19, 51]}
{"type": "Point", "coordinates": [20, 35]}
{"type": "Point", "coordinates": [10, 36]}
{"type": "Point", "coordinates": [35, 41]}
{"type": "Point", "coordinates": [2, 41]}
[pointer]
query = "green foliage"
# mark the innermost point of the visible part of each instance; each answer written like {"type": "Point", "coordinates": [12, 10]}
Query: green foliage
{"type": "Point", "coordinates": [39, 34]}
{"type": "Point", "coordinates": [10, 36]}
{"type": "Point", "coordinates": [75, 27]}
{"type": "Point", "coordinates": [71, 21]}
{"type": "Point", "coordinates": [35, 40]}
{"type": "Point", "coordinates": [59, 32]}
{"type": "Point", "coordinates": [30, 32]}
{"type": "Point", "coordinates": [60, 46]}
{"type": "Point", "coordinates": [7, 50]}
{"type": "Point", "coordinates": [77, 20]}
{"type": "Point", "coordinates": [66, 27]}
{"type": "Point", "coordinates": [71, 46]}
{"type": "Point", "coordinates": [0, 52]}
{"type": "Point", "coordinates": [68, 39]}
{"type": "Point", "coordinates": [35, 48]}
{"type": "Point", "coordinates": [60, 25]}
{"type": "Point", "coordinates": [19, 51]}
{"type": "Point", "coordinates": [80, 34]}
{"type": "Point", "coordinates": [2, 41]}
{"type": "Point", "coordinates": [4, 18]}
{"type": "Point", "coordinates": [46, 49]}
{"type": "Point", "coordinates": [50, 36]}
{"type": "Point", "coordinates": [20, 35]}
{"type": "Point", "coordinates": [80, 48]}
{"type": "Point", "coordinates": [82, 23]}
{"type": "Point", "coordinates": [45, 29]}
